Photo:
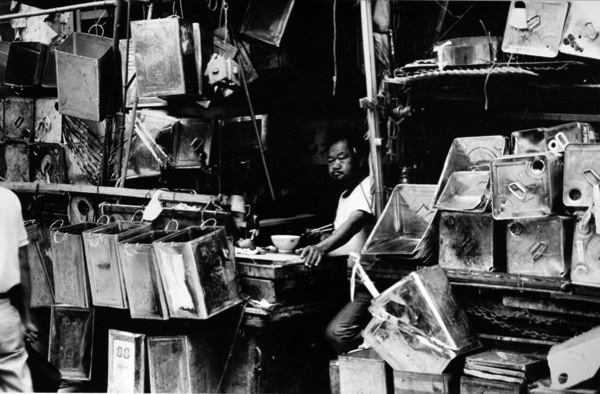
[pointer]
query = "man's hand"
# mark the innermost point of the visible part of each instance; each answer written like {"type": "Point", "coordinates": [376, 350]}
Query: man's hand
{"type": "Point", "coordinates": [31, 331]}
{"type": "Point", "coordinates": [312, 255]}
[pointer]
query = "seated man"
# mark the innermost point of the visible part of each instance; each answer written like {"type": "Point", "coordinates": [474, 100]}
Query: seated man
{"type": "Point", "coordinates": [353, 222]}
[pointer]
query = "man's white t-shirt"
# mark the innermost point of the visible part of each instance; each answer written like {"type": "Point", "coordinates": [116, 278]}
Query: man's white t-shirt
{"type": "Point", "coordinates": [12, 236]}
{"type": "Point", "coordinates": [359, 199]}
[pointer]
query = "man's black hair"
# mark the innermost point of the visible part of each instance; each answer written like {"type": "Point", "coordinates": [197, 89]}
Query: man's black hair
{"type": "Point", "coordinates": [336, 134]}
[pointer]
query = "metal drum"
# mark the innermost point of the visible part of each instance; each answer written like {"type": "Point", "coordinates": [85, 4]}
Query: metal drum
{"type": "Point", "coordinates": [526, 186]}
{"type": "Point", "coordinates": [417, 324]}
{"type": "Point", "coordinates": [70, 275]}
{"type": "Point", "coordinates": [126, 362]}
{"type": "Point", "coordinates": [71, 341]}
{"type": "Point", "coordinates": [143, 283]}
{"type": "Point", "coordinates": [540, 246]}
{"type": "Point", "coordinates": [470, 241]}
{"type": "Point", "coordinates": [165, 61]}
{"type": "Point", "coordinates": [84, 76]}
{"type": "Point", "coordinates": [197, 267]}
{"type": "Point", "coordinates": [104, 261]}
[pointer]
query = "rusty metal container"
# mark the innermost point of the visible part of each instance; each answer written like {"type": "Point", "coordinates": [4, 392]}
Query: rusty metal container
{"type": "Point", "coordinates": [193, 142]}
{"type": "Point", "coordinates": [585, 260]}
{"type": "Point", "coordinates": [25, 64]}
{"type": "Point", "coordinates": [417, 325]}
{"type": "Point", "coordinates": [84, 76]}
{"type": "Point", "coordinates": [165, 61]}
{"type": "Point", "coordinates": [536, 33]}
{"type": "Point", "coordinates": [470, 241]}
{"type": "Point", "coordinates": [47, 121]}
{"type": "Point", "coordinates": [423, 383]}
{"type": "Point", "coordinates": [143, 283]}
{"type": "Point", "coordinates": [364, 371]}
{"type": "Point", "coordinates": [405, 226]}
{"type": "Point", "coordinates": [14, 161]}
{"type": "Point", "coordinates": [71, 342]}
{"type": "Point", "coordinates": [70, 274]}
{"type": "Point", "coordinates": [47, 163]}
{"type": "Point", "coordinates": [581, 35]}
{"type": "Point", "coordinates": [466, 191]}
{"type": "Point", "coordinates": [540, 246]}
{"type": "Point", "coordinates": [104, 262]}
{"type": "Point", "coordinates": [554, 139]}
{"type": "Point", "coordinates": [18, 118]}
{"type": "Point", "coordinates": [581, 174]}
{"type": "Point", "coordinates": [126, 362]}
{"type": "Point", "coordinates": [526, 185]}
{"type": "Point", "coordinates": [197, 268]}
{"type": "Point", "coordinates": [40, 265]}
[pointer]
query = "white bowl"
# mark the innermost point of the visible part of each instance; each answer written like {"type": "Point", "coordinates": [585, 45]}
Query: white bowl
{"type": "Point", "coordinates": [285, 243]}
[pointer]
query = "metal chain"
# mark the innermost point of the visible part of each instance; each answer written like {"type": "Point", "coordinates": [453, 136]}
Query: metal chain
{"type": "Point", "coordinates": [501, 321]}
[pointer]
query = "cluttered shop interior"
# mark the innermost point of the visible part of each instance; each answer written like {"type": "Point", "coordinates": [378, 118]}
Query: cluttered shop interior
{"type": "Point", "coordinates": [300, 196]}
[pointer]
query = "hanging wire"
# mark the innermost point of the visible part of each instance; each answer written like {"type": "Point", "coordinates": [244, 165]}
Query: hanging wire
{"type": "Point", "coordinates": [458, 19]}
{"type": "Point", "coordinates": [335, 67]}
{"type": "Point", "coordinates": [97, 24]}
{"type": "Point", "coordinates": [212, 5]}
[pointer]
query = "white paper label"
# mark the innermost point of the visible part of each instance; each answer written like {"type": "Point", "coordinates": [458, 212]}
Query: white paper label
{"type": "Point", "coordinates": [123, 366]}
{"type": "Point", "coordinates": [178, 291]}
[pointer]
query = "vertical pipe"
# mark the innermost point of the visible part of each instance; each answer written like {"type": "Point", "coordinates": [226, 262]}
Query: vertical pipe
{"type": "Point", "coordinates": [372, 114]}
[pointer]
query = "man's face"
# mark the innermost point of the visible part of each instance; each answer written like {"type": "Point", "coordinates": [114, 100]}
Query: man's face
{"type": "Point", "coordinates": [340, 160]}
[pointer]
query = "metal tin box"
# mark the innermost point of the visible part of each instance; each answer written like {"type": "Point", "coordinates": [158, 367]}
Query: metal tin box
{"type": "Point", "coordinates": [104, 262]}
{"type": "Point", "coordinates": [466, 191]}
{"type": "Point", "coordinates": [49, 75]}
{"type": "Point", "coordinates": [540, 246]}
{"type": "Point", "coordinates": [470, 241]}
{"type": "Point", "coordinates": [145, 291]}
{"type": "Point", "coordinates": [40, 265]}
{"type": "Point", "coordinates": [364, 371]}
{"type": "Point", "coordinates": [18, 118]}
{"type": "Point", "coordinates": [70, 274]}
{"type": "Point", "coordinates": [585, 260]}
{"type": "Point", "coordinates": [84, 76]}
{"type": "Point", "coordinates": [417, 324]}
{"type": "Point", "coordinates": [25, 64]}
{"type": "Point", "coordinates": [551, 138]}
{"type": "Point", "coordinates": [197, 268]}
{"type": "Point", "coordinates": [581, 34]}
{"type": "Point", "coordinates": [126, 362]}
{"type": "Point", "coordinates": [526, 186]}
{"type": "Point", "coordinates": [14, 161]}
{"type": "Point", "coordinates": [405, 223]}
{"type": "Point", "coordinates": [470, 154]}
{"type": "Point", "coordinates": [581, 173]}
{"type": "Point", "coordinates": [47, 163]}
{"type": "Point", "coordinates": [71, 341]}
{"type": "Point", "coordinates": [132, 91]}
{"type": "Point", "coordinates": [535, 30]}
{"type": "Point", "coordinates": [165, 62]}
{"type": "Point", "coordinates": [47, 120]}
{"type": "Point", "coordinates": [423, 383]}
{"type": "Point", "coordinates": [470, 385]}
{"type": "Point", "coordinates": [193, 142]}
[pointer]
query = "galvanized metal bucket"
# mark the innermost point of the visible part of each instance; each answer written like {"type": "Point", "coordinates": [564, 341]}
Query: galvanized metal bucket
{"type": "Point", "coordinates": [165, 61]}
{"type": "Point", "coordinates": [104, 261]}
{"type": "Point", "coordinates": [143, 283]}
{"type": "Point", "coordinates": [84, 76]}
{"type": "Point", "coordinates": [25, 64]}
{"type": "Point", "coordinates": [197, 268]}
{"type": "Point", "coordinates": [70, 275]}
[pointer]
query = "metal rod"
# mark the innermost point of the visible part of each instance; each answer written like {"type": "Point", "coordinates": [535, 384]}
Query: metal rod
{"type": "Point", "coordinates": [372, 113]}
{"type": "Point", "coordinates": [74, 7]}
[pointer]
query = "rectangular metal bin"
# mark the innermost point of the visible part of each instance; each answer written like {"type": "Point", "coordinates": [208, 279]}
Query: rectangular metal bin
{"type": "Point", "coordinates": [580, 35]}
{"type": "Point", "coordinates": [47, 163]}
{"type": "Point", "coordinates": [18, 118]}
{"type": "Point", "coordinates": [540, 246]}
{"type": "Point", "coordinates": [417, 325]}
{"type": "Point", "coordinates": [70, 274]}
{"type": "Point", "coordinates": [143, 283]}
{"type": "Point", "coordinates": [585, 260]}
{"type": "Point", "coordinates": [84, 76]}
{"type": "Point", "coordinates": [165, 61]}
{"type": "Point", "coordinates": [554, 139]}
{"type": "Point", "coordinates": [14, 161]}
{"type": "Point", "coordinates": [126, 362]}
{"type": "Point", "coordinates": [25, 64]}
{"type": "Point", "coordinates": [424, 383]}
{"type": "Point", "coordinates": [40, 265]}
{"type": "Point", "coordinates": [581, 174]}
{"type": "Point", "coordinates": [47, 120]}
{"type": "Point", "coordinates": [104, 262]}
{"type": "Point", "coordinates": [364, 371]}
{"type": "Point", "coordinates": [71, 341]}
{"type": "Point", "coordinates": [197, 267]}
{"type": "Point", "coordinates": [526, 185]}
{"type": "Point", "coordinates": [470, 241]}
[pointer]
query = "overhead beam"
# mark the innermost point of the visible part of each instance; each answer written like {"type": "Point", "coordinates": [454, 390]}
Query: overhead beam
{"type": "Point", "coordinates": [67, 8]}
